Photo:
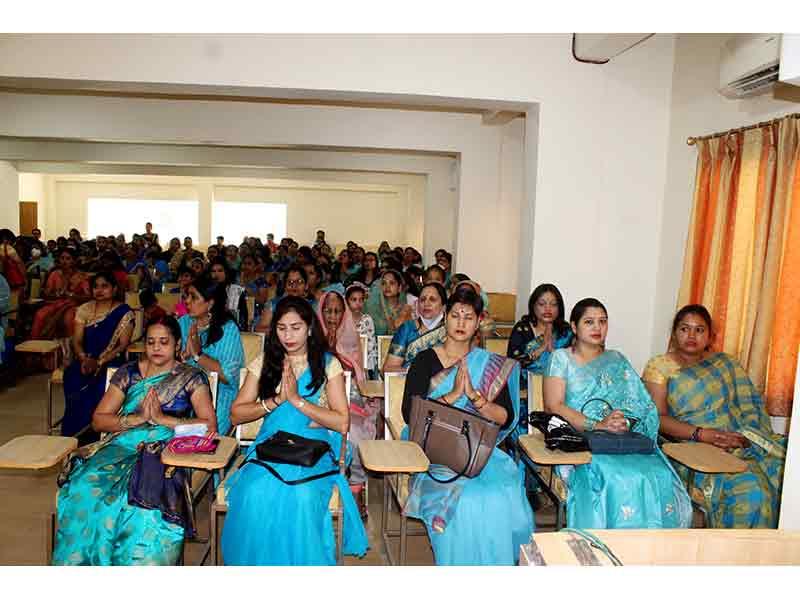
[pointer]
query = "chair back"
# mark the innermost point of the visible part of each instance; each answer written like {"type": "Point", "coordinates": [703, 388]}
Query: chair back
{"type": "Point", "coordinates": [251, 310]}
{"type": "Point", "coordinates": [246, 433]}
{"type": "Point", "coordinates": [138, 324]}
{"type": "Point", "coordinates": [535, 394]}
{"type": "Point", "coordinates": [384, 341]}
{"type": "Point", "coordinates": [502, 307]}
{"type": "Point", "coordinates": [253, 345]}
{"type": "Point", "coordinates": [132, 299]}
{"type": "Point", "coordinates": [364, 351]}
{"type": "Point", "coordinates": [497, 345]}
{"type": "Point", "coordinates": [36, 288]}
{"type": "Point", "coordinates": [168, 302]}
{"type": "Point", "coordinates": [394, 385]}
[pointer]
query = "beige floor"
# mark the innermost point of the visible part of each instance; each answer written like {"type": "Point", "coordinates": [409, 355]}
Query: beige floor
{"type": "Point", "coordinates": [26, 501]}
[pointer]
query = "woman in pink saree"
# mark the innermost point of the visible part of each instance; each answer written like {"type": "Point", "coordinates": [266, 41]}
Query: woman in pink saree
{"type": "Point", "coordinates": [65, 290]}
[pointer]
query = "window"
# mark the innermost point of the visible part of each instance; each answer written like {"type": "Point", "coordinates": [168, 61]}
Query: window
{"type": "Point", "coordinates": [170, 218]}
{"type": "Point", "coordinates": [237, 220]}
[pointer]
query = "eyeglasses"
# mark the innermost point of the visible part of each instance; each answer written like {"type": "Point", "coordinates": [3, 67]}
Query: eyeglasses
{"type": "Point", "coordinates": [293, 283]}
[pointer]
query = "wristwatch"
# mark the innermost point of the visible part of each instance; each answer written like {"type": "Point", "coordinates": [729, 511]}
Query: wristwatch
{"type": "Point", "coordinates": [196, 357]}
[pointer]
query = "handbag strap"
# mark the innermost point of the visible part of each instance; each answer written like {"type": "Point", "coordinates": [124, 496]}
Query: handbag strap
{"type": "Point", "coordinates": [595, 542]}
{"type": "Point", "coordinates": [588, 402]}
{"type": "Point", "coordinates": [464, 432]}
{"type": "Point", "coordinates": [269, 468]}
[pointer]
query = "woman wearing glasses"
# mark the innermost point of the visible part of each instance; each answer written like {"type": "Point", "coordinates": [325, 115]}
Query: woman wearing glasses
{"type": "Point", "coordinates": [295, 283]}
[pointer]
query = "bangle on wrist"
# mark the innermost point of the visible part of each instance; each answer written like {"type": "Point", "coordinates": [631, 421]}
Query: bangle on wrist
{"type": "Point", "coordinates": [267, 410]}
{"type": "Point", "coordinates": [696, 434]}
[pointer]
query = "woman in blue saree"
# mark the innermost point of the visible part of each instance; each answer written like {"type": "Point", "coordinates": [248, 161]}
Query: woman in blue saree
{"type": "Point", "coordinates": [301, 389]}
{"type": "Point", "coordinates": [103, 329]}
{"type": "Point", "coordinates": [625, 491]}
{"type": "Point", "coordinates": [536, 335]}
{"type": "Point", "coordinates": [422, 333]}
{"type": "Point", "coordinates": [484, 519]}
{"type": "Point", "coordinates": [211, 341]}
{"type": "Point", "coordinates": [98, 523]}
{"type": "Point", "coordinates": [706, 396]}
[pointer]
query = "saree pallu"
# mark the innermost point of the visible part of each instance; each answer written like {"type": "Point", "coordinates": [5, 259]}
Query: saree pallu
{"type": "Point", "coordinates": [717, 393]}
{"type": "Point", "coordinates": [272, 523]}
{"type": "Point", "coordinates": [82, 393]}
{"type": "Point", "coordinates": [55, 320]}
{"type": "Point", "coordinates": [408, 342]}
{"type": "Point", "coordinates": [629, 491]}
{"type": "Point", "coordinates": [96, 524]}
{"type": "Point", "coordinates": [484, 519]}
{"type": "Point", "coordinates": [380, 311]}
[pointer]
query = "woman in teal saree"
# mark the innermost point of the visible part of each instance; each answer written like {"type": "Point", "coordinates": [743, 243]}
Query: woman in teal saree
{"type": "Point", "coordinates": [416, 335]}
{"type": "Point", "coordinates": [301, 389]}
{"type": "Point", "coordinates": [387, 303]}
{"type": "Point", "coordinates": [97, 522]}
{"type": "Point", "coordinates": [625, 491]}
{"type": "Point", "coordinates": [484, 519]}
{"type": "Point", "coordinates": [708, 397]}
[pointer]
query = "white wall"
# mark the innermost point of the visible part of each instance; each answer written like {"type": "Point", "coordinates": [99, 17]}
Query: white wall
{"type": "Point", "coordinates": [595, 183]}
{"type": "Point", "coordinates": [696, 109]}
{"type": "Point", "coordinates": [342, 209]}
{"type": "Point", "coordinates": [9, 197]}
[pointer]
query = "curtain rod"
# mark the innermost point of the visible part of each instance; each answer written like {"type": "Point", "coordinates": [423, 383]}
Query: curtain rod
{"type": "Point", "coordinates": [691, 141]}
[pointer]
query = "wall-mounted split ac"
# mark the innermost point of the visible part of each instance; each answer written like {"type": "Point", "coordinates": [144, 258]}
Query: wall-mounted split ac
{"type": "Point", "coordinates": [749, 65]}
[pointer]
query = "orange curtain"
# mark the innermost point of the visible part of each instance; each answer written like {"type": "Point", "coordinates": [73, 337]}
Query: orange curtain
{"type": "Point", "coordinates": [742, 256]}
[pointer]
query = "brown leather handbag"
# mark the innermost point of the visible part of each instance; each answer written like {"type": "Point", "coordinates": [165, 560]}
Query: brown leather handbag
{"type": "Point", "coordinates": [453, 437]}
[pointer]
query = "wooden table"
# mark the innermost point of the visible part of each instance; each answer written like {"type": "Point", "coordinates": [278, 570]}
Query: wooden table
{"type": "Point", "coordinates": [41, 347]}
{"type": "Point", "coordinates": [371, 389]}
{"type": "Point", "coordinates": [395, 458]}
{"type": "Point", "coordinates": [533, 445]}
{"type": "Point", "coordinates": [35, 451]}
{"type": "Point", "coordinates": [705, 458]}
{"type": "Point", "coordinates": [135, 348]}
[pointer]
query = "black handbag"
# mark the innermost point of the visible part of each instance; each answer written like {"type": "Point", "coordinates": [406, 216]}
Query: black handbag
{"type": "Point", "coordinates": [558, 433]}
{"type": "Point", "coordinates": [287, 448]}
{"type": "Point", "coordinates": [626, 442]}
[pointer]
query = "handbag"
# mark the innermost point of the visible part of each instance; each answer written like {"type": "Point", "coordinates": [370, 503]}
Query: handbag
{"type": "Point", "coordinates": [150, 487]}
{"type": "Point", "coordinates": [558, 433]}
{"type": "Point", "coordinates": [287, 448]}
{"type": "Point", "coordinates": [626, 442]}
{"type": "Point", "coordinates": [453, 437]}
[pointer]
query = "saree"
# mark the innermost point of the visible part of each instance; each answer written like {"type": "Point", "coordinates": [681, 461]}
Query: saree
{"type": "Point", "coordinates": [363, 411]}
{"type": "Point", "coordinates": [717, 393]}
{"type": "Point", "coordinates": [484, 519]}
{"type": "Point", "coordinates": [623, 491]}
{"type": "Point", "coordinates": [408, 341]}
{"type": "Point", "coordinates": [272, 523]}
{"type": "Point", "coordinates": [96, 523]}
{"type": "Point", "coordinates": [524, 342]}
{"type": "Point", "coordinates": [82, 393]}
{"type": "Point", "coordinates": [381, 312]}
{"type": "Point", "coordinates": [229, 353]}
{"type": "Point", "coordinates": [54, 319]}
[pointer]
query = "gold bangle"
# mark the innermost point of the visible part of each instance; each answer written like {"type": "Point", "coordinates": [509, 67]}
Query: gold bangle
{"type": "Point", "coordinates": [123, 422]}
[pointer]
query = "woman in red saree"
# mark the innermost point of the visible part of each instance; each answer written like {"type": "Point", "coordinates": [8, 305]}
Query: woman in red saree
{"type": "Point", "coordinates": [65, 290]}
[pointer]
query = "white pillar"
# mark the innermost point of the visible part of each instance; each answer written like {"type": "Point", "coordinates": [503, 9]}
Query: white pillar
{"type": "Point", "coordinates": [9, 197]}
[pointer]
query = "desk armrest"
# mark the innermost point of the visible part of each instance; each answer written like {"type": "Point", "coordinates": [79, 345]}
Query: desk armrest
{"type": "Point", "coordinates": [704, 458]}
{"type": "Point", "coordinates": [393, 456]}
{"type": "Point", "coordinates": [533, 445]}
{"type": "Point", "coordinates": [210, 462]}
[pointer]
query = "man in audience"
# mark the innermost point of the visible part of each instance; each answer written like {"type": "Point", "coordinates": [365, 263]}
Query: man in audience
{"type": "Point", "coordinates": [435, 274]}
{"type": "Point", "coordinates": [37, 234]}
{"type": "Point", "coordinates": [75, 236]}
{"type": "Point", "coordinates": [273, 247]}
{"type": "Point", "coordinates": [320, 237]}
{"type": "Point", "coordinates": [149, 236]}
{"type": "Point", "coordinates": [221, 243]}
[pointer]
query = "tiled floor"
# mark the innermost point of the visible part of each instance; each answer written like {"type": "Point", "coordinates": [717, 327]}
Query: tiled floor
{"type": "Point", "coordinates": [27, 501]}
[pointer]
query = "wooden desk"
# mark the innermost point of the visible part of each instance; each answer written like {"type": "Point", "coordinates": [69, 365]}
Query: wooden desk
{"type": "Point", "coordinates": [135, 348]}
{"type": "Point", "coordinates": [371, 389]}
{"type": "Point", "coordinates": [393, 456]}
{"type": "Point", "coordinates": [208, 462]}
{"type": "Point", "coordinates": [533, 445]}
{"type": "Point", "coordinates": [704, 458]}
{"type": "Point", "coordinates": [35, 451]}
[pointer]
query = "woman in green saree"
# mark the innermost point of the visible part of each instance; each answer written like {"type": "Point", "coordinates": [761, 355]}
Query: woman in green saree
{"type": "Point", "coordinates": [98, 524]}
{"type": "Point", "coordinates": [708, 397]}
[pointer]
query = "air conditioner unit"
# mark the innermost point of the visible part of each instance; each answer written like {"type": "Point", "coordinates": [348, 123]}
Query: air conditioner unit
{"type": "Point", "coordinates": [749, 65]}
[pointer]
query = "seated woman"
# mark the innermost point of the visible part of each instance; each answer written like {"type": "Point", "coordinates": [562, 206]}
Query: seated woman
{"type": "Point", "coordinates": [150, 306]}
{"type": "Point", "coordinates": [356, 295]}
{"type": "Point", "coordinates": [66, 289]}
{"type": "Point", "coordinates": [221, 273]}
{"type": "Point", "coordinates": [343, 340]}
{"type": "Point", "coordinates": [481, 520]}
{"type": "Point", "coordinates": [185, 279]}
{"type": "Point", "coordinates": [387, 305]}
{"type": "Point", "coordinates": [295, 283]}
{"type": "Point", "coordinates": [103, 329]}
{"type": "Point", "coordinates": [620, 491]}
{"type": "Point", "coordinates": [426, 331]}
{"type": "Point", "coordinates": [255, 284]}
{"type": "Point", "coordinates": [707, 396]}
{"type": "Point", "coordinates": [543, 330]}
{"type": "Point", "coordinates": [369, 272]}
{"type": "Point", "coordinates": [98, 523]}
{"type": "Point", "coordinates": [487, 328]}
{"type": "Point", "coordinates": [301, 390]}
{"type": "Point", "coordinates": [210, 340]}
